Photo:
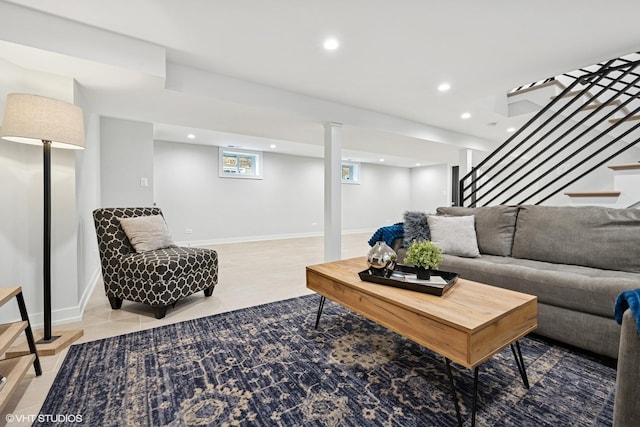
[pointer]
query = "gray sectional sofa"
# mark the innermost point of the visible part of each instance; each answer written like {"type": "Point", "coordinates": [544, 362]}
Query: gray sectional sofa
{"type": "Point", "coordinates": [626, 410]}
{"type": "Point", "coordinates": [576, 260]}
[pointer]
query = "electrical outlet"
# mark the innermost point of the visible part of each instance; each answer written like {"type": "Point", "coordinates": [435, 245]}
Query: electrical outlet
{"type": "Point", "coordinates": [144, 182]}
{"type": "Point", "coordinates": [188, 231]}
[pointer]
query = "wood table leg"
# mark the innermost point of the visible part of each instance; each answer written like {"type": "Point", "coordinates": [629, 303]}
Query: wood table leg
{"type": "Point", "coordinates": [29, 333]}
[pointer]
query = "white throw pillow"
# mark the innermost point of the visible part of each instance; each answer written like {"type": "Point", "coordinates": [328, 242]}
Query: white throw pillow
{"type": "Point", "coordinates": [454, 235]}
{"type": "Point", "coordinates": [147, 233]}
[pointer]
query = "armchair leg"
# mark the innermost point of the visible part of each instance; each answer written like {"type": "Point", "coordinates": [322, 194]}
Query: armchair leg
{"type": "Point", "coordinates": [209, 291]}
{"type": "Point", "coordinates": [160, 312]}
{"type": "Point", "coordinates": [116, 303]}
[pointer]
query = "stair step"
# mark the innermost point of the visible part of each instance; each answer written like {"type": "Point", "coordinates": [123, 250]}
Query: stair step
{"type": "Point", "coordinates": [592, 193]}
{"type": "Point", "coordinates": [595, 105]}
{"type": "Point", "coordinates": [540, 86]}
{"type": "Point", "coordinates": [571, 94]}
{"type": "Point", "coordinates": [625, 167]}
{"type": "Point", "coordinates": [627, 119]}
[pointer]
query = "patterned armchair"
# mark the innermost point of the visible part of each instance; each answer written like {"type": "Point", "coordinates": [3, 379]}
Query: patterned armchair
{"type": "Point", "coordinates": [158, 277]}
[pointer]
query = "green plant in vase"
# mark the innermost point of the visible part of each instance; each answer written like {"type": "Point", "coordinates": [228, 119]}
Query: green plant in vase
{"type": "Point", "coordinates": [425, 256]}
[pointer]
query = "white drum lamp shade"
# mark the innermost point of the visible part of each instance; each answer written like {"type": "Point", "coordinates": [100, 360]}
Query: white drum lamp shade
{"type": "Point", "coordinates": [31, 119]}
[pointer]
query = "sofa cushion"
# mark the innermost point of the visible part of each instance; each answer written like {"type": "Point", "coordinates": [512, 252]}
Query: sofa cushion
{"type": "Point", "coordinates": [495, 226]}
{"type": "Point", "coordinates": [164, 276]}
{"type": "Point", "coordinates": [454, 235]}
{"type": "Point", "coordinates": [583, 289]}
{"type": "Point", "coordinates": [589, 235]}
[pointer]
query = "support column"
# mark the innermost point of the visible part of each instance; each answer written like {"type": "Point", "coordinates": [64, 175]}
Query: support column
{"type": "Point", "coordinates": [332, 191]}
{"type": "Point", "coordinates": [465, 157]}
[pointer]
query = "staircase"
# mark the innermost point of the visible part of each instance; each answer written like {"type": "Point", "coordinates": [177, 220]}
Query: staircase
{"type": "Point", "coordinates": [626, 186]}
{"type": "Point", "coordinates": [583, 120]}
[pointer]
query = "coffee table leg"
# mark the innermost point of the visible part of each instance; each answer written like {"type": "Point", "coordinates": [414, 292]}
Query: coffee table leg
{"type": "Point", "coordinates": [322, 299]}
{"type": "Point", "coordinates": [520, 363]}
{"type": "Point", "coordinates": [454, 394]}
{"type": "Point", "coordinates": [474, 405]}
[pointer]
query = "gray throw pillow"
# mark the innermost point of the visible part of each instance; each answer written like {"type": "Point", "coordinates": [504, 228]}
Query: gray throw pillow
{"type": "Point", "coordinates": [495, 226]}
{"type": "Point", "coordinates": [147, 233]}
{"type": "Point", "coordinates": [454, 235]}
{"type": "Point", "coordinates": [416, 227]}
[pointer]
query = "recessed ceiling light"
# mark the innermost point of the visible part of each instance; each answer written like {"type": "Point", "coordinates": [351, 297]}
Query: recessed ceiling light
{"type": "Point", "coordinates": [382, 160]}
{"type": "Point", "coordinates": [273, 146]}
{"type": "Point", "coordinates": [444, 87]}
{"type": "Point", "coordinates": [331, 44]}
{"type": "Point", "coordinates": [511, 130]}
{"type": "Point", "coordinates": [465, 116]}
{"type": "Point", "coordinates": [418, 164]}
{"type": "Point", "coordinates": [191, 136]}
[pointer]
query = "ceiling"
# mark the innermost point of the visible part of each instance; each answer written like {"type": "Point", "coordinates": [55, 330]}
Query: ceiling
{"type": "Point", "coordinates": [277, 84]}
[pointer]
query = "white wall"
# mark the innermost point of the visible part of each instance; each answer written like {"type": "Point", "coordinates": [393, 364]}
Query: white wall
{"type": "Point", "coordinates": [430, 188]}
{"type": "Point", "coordinates": [381, 198]}
{"type": "Point", "coordinates": [88, 199]}
{"type": "Point", "coordinates": [126, 151]}
{"type": "Point", "coordinates": [18, 232]}
{"type": "Point", "coordinates": [287, 202]}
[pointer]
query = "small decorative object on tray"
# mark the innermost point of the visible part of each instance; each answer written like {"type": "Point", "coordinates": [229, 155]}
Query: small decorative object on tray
{"type": "Point", "coordinates": [425, 256]}
{"type": "Point", "coordinates": [382, 259]}
{"type": "Point", "coordinates": [405, 277]}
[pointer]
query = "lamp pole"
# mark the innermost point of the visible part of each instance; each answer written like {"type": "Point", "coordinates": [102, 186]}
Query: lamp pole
{"type": "Point", "coordinates": [46, 150]}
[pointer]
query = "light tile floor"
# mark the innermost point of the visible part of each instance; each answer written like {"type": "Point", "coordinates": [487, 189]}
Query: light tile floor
{"type": "Point", "coordinates": [250, 274]}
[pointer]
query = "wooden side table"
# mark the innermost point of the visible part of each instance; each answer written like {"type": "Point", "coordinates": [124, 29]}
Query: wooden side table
{"type": "Point", "coordinates": [13, 369]}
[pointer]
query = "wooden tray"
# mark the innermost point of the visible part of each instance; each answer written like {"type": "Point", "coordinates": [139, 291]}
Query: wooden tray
{"type": "Point", "coordinates": [404, 276]}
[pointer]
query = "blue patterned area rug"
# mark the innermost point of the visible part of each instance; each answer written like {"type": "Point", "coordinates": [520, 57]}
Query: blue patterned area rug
{"type": "Point", "coordinates": [268, 366]}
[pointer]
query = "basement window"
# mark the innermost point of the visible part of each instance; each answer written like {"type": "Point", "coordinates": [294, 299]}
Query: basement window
{"type": "Point", "coordinates": [236, 163]}
{"type": "Point", "coordinates": [350, 173]}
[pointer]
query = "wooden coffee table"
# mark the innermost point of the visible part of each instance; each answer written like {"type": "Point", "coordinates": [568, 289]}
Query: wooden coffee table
{"type": "Point", "coordinates": [468, 324]}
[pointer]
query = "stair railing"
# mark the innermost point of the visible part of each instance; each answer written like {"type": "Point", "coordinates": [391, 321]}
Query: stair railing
{"type": "Point", "coordinates": [508, 172]}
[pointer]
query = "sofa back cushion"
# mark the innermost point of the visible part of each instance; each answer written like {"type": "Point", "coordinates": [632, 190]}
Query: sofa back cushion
{"type": "Point", "coordinates": [495, 226]}
{"type": "Point", "coordinates": [592, 236]}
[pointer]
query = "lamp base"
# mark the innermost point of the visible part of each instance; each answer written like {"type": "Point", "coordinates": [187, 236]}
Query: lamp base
{"type": "Point", "coordinates": [58, 342]}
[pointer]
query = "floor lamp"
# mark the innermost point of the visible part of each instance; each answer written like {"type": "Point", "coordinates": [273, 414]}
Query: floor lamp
{"type": "Point", "coordinates": [32, 119]}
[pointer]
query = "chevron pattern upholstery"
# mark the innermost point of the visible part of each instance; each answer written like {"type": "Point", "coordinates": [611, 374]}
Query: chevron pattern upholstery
{"type": "Point", "coordinates": [158, 278]}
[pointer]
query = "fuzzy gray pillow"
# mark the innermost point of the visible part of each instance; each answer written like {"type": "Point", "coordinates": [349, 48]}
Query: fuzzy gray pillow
{"type": "Point", "coordinates": [416, 227]}
{"type": "Point", "coordinates": [147, 233]}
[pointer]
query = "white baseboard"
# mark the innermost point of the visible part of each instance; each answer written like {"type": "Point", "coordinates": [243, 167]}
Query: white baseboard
{"type": "Point", "coordinates": [69, 314]}
{"type": "Point", "coordinates": [247, 239]}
